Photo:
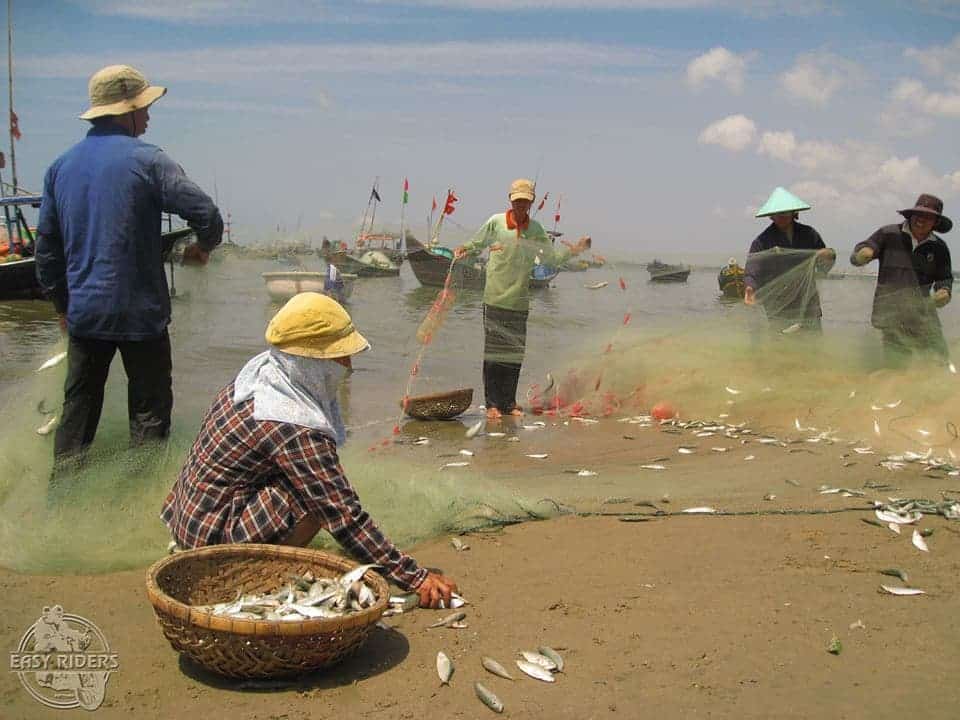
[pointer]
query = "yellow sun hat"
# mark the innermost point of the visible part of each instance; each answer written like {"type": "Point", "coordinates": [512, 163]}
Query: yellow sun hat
{"type": "Point", "coordinates": [522, 189]}
{"type": "Point", "coordinates": [315, 326]}
{"type": "Point", "coordinates": [119, 89]}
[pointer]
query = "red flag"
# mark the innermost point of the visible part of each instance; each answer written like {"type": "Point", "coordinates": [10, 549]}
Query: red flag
{"type": "Point", "coordinates": [434, 204]}
{"type": "Point", "coordinates": [556, 217]}
{"type": "Point", "coordinates": [448, 208]}
{"type": "Point", "coordinates": [14, 125]}
{"type": "Point", "coordinates": [406, 185]}
{"type": "Point", "coordinates": [543, 202]}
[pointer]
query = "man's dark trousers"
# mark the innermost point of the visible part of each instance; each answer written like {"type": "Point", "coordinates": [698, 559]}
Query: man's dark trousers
{"type": "Point", "coordinates": [149, 390]}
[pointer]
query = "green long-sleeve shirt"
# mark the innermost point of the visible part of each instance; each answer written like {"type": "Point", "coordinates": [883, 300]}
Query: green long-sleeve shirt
{"type": "Point", "coordinates": [509, 268]}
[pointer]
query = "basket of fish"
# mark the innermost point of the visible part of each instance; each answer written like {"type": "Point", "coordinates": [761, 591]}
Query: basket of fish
{"type": "Point", "coordinates": [439, 406]}
{"type": "Point", "coordinates": [264, 611]}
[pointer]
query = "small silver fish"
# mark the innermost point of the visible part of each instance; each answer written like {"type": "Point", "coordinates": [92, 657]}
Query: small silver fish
{"type": "Point", "coordinates": [539, 456]}
{"type": "Point", "coordinates": [454, 465]}
{"type": "Point", "coordinates": [474, 429]}
{"type": "Point", "coordinates": [536, 671]}
{"type": "Point", "coordinates": [792, 329]}
{"type": "Point", "coordinates": [538, 659]}
{"type": "Point", "coordinates": [48, 426]}
{"type": "Point", "coordinates": [653, 467]}
{"type": "Point", "coordinates": [351, 577]}
{"type": "Point", "coordinates": [919, 543]}
{"type": "Point", "coordinates": [895, 572]}
{"type": "Point", "coordinates": [901, 590]}
{"type": "Point", "coordinates": [731, 390]}
{"type": "Point", "coordinates": [488, 698]}
{"type": "Point", "coordinates": [459, 545]}
{"type": "Point", "coordinates": [553, 655]}
{"type": "Point", "coordinates": [467, 453]}
{"type": "Point", "coordinates": [700, 510]}
{"type": "Point", "coordinates": [549, 385]}
{"type": "Point", "coordinates": [597, 286]}
{"type": "Point", "coordinates": [444, 668]}
{"type": "Point", "coordinates": [53, 362]}
{"type": "Point", "coordinates": [452, 618]}
{"type": "Point", "coordinates": [492, 666]}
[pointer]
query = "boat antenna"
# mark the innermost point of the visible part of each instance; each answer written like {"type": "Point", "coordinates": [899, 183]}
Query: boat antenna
{"type": "Point", "coordinates": [13, 154]}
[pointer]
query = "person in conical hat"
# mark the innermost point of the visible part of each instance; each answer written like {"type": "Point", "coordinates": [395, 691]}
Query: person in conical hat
{"type": "Point", "coordinates": [764, 266]}
{"type": "Point", "coordinates": [264, 467]}
{"type": "Point", "coordinates": [99, 257]}
{"type": "Point", "coordinates": [515, 241]}
{"type": "Point", "coordinates": [915, 278]}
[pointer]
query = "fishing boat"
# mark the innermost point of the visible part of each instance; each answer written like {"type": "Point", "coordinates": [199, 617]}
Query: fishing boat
{"type": "Point", "coordinates": [283, 285]}
{"type": "Point", "coordinates": [542, 275]}
{"type": "Point", "coordinates": [665, 272]}
{"type": "Point", "coordinates": [18, 267]}
{"type": "Point", "coordinates": [731, 280]}
{"type": "Point", "coordinates": [372, 263]}
{"type": "Point", "coordinates": [430, 265]}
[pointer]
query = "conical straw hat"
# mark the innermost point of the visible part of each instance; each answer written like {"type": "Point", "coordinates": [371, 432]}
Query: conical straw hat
{"type": "Point", "coordinates": [781, 200]}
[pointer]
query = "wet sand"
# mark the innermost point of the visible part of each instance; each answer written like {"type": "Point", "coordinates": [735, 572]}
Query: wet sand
{"type": "Point", "coordinates": [679, 616]}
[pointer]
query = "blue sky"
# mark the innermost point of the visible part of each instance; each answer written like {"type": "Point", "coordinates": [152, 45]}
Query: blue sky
{"type": "Point", "coordinates": [661, 122]}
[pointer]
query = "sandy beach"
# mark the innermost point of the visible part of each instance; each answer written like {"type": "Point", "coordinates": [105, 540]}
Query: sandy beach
{"type": "Point", "coordinates": [682, 616]}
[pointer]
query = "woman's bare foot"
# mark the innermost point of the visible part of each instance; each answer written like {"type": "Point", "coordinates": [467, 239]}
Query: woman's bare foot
{"type": "Point", "coordinates": [517, 411]}
{"type": "Point", "coordinates": [493, 414]}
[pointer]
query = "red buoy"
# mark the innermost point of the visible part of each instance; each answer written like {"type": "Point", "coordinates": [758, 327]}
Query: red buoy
{"type": "Point", "coordinates": [663, 411]}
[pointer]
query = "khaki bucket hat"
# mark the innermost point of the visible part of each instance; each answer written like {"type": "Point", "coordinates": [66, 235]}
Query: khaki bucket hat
{"type": "Point", "coordinates": [119, 89]}
{"type": "Point", "coordinates": [315, 326]}
{"type": "Point", "coordinates": [522, 189]}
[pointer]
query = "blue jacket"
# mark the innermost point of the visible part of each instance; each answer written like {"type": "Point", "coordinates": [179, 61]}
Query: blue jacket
{"type": "Point", "coordinates": [99, 250]}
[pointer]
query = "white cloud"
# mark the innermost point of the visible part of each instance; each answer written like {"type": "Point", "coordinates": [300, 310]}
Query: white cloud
{"type": "Point", "coordinates": [276, 62]}
{"type": "Point", "coordinates": [937, 60]}
{"type": "Point", "coordinates": [718, 64]}
{"type": "Point", "coordinates": [817, 193]}
{"type": "Point", "coordinates": [914, 94]}
{"type": "Point", "coordinates": [279, 12]}
{"type": "Point", "coordinates": [779, 145]}
{"type": "Point", "coordinates": [816, 77]}
{"type": "Point", "coordinates": [809, 154]}
{"type": "Point", "coordinates": [735, 132]}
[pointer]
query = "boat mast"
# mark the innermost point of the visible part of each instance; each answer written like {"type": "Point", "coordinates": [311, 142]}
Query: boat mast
{"type": "Point", "coordinates": [13, 153]}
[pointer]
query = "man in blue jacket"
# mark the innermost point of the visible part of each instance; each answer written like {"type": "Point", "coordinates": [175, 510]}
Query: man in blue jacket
{"type": "Point", "coordinates": [99, 258]}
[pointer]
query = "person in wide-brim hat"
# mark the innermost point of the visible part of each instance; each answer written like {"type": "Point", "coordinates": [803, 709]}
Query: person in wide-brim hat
{"type": "Point", "coordinates": [915, 269]}
{"type": "Point", "coordinates": [264, 467]}
{"type": "Point", "coordinates": [120, 89]}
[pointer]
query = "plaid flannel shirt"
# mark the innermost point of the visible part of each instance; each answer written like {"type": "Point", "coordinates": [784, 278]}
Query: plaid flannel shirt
{"type": "Point", "coordinates": [249, 480]}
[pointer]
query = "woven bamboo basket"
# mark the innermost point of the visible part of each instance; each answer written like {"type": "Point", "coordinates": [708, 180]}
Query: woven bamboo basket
{"type": "Point", "coordinates": [439, 406]}
{"type": "Point", "coordinates": [253, 648]}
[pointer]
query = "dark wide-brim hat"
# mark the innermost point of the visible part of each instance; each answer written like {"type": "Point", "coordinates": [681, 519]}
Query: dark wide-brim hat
{"type": "Point", "coordinates": [930, 205]}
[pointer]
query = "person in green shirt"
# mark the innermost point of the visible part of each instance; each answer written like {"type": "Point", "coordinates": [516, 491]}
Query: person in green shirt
{"type": "Point", "coordinates": [516, 243]}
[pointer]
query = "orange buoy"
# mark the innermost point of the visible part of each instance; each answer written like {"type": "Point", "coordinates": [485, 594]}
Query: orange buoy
{"type": "Point", "coordinates": [663, 411]}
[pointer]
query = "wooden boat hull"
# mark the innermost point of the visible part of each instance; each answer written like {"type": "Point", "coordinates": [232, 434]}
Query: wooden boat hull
{"type": "Point", "coordinates": [431, 267]}
{"type": "Point", "coordinates": [347, 263]}
{"type": "Point", "coordinates": [284, 285]}
{"type": "Point", "coordinates": [18, 280]}
{"type": "Point", "coordinates": [678, 276]}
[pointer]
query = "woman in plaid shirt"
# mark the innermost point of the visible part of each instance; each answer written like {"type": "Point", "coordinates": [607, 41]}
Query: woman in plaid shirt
{"type": "Point", "coordinates": [264, 467]}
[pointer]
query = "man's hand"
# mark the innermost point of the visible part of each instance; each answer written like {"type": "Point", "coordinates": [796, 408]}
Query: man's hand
{"type": "Point", "coordinates": [459, 253]}
{"type": "Point", "coordinates": [435, 588]}
{"type": "Point", "coordinates": [62, 322]}
{"type": "Point", "coordinates": [193, 254]}
{"type": "Point", "coordinates": [749, 296]}
{"type": "Point", "coordinates": [580, 246]}
{"type": "Point", "coordinates": [863, 255]}
{"type": "Point", "coordinates": [941, 297]}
